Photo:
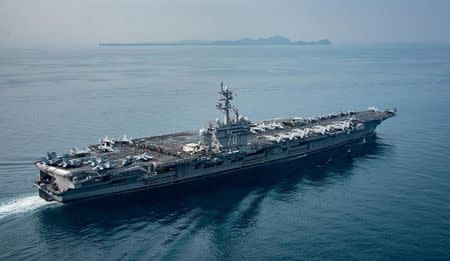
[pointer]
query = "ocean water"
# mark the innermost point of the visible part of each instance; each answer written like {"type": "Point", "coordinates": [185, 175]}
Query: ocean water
{"type": "Point", "coordinates": [389, 200]}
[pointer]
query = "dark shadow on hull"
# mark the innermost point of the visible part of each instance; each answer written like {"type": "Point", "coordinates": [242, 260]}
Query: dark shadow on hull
{"type": "Point", "coordinates": [217, 195]}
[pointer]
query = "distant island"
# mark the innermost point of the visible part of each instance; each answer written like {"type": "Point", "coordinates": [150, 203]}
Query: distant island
{"type": "Point", "coordinates": [274, 40]}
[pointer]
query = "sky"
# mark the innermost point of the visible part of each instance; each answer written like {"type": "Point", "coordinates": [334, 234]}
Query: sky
{"type": "Point", "coordinates": [89, 22]}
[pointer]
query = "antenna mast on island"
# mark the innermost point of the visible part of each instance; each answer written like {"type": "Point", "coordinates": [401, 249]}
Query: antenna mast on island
{"type": "Point", "coordinates": [224, 103]}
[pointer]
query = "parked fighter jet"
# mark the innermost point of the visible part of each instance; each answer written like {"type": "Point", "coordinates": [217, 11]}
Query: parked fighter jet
{"type": "Point", "coordinates": [95, 161]}
{"type": "Point", "coordinates": [52, 159]}
{"type": "Point", "coordinates": [80, 153]}
{"type": "Point", "coordinates": [143, 157]}
{"type": "Point", "coordinates": [99, 164]}
{"type": "Point", "coordinates": [67, 163]}
{"type": "Point", "coordinates": [125, 139]}
{"type": "Point", "coordinates": [105, 147]}
{"type": "Point", "coordinates": [127, 160]}
{"type": "Point", "coordinates": [106, 140]}
{"type": "Point", "coordinates": [106, 144]}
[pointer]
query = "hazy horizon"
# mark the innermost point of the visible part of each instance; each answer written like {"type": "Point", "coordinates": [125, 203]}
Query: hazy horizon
{"type": "Point", "coordinates": [56, 23]}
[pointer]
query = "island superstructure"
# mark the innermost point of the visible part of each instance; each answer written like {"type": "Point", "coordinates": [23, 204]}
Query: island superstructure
{"type": "Point", "coordinates": [223, 147]}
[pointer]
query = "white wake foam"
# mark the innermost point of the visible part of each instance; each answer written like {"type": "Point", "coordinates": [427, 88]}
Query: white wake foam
{"type": "Point", "coordinates": [21, 205]}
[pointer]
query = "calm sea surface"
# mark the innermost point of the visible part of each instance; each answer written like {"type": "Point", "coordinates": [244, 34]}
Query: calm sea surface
{"type": "Point", "coordinates": [390, 200]}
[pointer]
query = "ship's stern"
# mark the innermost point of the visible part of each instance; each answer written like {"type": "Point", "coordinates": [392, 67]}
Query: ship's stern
{"type": "Point", "coordinates": [51, 182]}
{"type": "Point", "coordinates": [44, 194]}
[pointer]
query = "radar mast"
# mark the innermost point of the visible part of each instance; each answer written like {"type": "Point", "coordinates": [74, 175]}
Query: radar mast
{"type": "Point", "coordinates": [224, 104]}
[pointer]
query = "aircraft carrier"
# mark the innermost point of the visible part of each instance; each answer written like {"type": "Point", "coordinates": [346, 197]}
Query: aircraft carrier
{"type": "Point", "coordinates": [233, 145]}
